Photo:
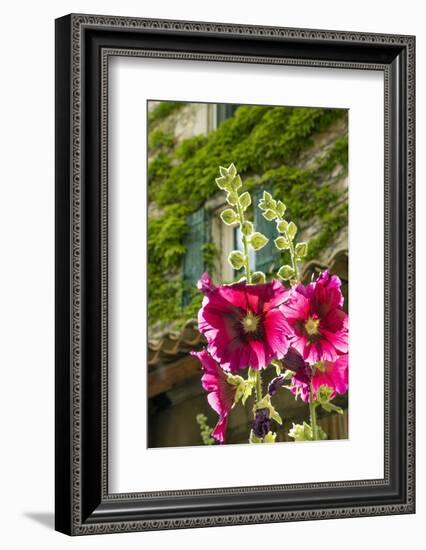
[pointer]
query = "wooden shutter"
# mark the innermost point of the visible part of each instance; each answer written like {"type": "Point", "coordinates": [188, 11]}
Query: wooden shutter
{"type": "Point", "coordinates": [268, 257]}
{"type": "Point", "coordinates": [193, 262]}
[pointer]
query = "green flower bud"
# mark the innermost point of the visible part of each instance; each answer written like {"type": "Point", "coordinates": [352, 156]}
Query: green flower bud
{"type": "Point", "coordinates": [282, 243]}
{"type": "Point", "coordinates": [301, 249]}
{"type": "Point", "coordinates": [258, 240]}
{"type": "Point", "coordinates": [286, 272]}
{"type": "Point", "coordinates": [236, 259]}
{"type": "Point", "coordinates": [270, 437]}
{"type": "Point", "coordinates": [301, 432]}
{"type": "Point", "coordinates": [269, 215]}
{"type": "Point", "coordinates": [232, 198]}
{"type": "Point", "coordinates": [281, 208]}
{"type": "Point", "coordinates": [291, 230]}
{"type": "Point", "coordinates": [321, 433]}
{"type": "Point", "coordinates": [282, 226]}
{"type": "Point", "coordinates": [245, 200]}
{"type": "Point", "coordinates": [258, 277]}
{"type": "Point", "coordinates": [247, 228]}
{"type": "Point", "coordinates": [229, 216]}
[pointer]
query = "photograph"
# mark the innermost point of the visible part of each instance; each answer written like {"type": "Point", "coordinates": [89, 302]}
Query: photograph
{"type": "Point", "coordinates": [247, 275]}
{"type": "Point", "coordinates": [235, 273]}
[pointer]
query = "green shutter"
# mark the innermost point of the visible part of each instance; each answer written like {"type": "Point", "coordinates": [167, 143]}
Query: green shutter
{"type": "Point", "coordinates": [268, 257]}
{"type": "Point", "coordinates": [224, 111]}
{"type": "Point", "coordinates": [193, 262]}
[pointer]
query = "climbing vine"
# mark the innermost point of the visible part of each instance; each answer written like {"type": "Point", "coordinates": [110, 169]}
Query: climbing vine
{"type": "Point", "coordinates": [267, 144]}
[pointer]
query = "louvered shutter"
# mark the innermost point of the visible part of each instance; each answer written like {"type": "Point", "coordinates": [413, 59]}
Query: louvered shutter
{"type": "Point", "coordinates": [268, 257]}
{"type": "Point", "coordinates": [193, 262]}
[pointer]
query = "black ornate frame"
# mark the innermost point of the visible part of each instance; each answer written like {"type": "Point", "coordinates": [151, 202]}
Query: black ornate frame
{"type": "Point", "coordinates": [83, 45]}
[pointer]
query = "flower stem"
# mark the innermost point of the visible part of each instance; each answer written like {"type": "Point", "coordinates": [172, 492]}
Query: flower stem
{"type": "Point", "coordinates": [245, 244]}
{"type": "Point", "coordinates": [293, 258]}
{"type": "Point", "coordinates": [292, 253]}
{"type": "Point", "coordinates": [258, 386]}
{"type": "Point", "coordinates": [313, 414]}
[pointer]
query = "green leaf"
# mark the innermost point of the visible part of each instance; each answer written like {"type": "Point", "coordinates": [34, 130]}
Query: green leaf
{"type": "Point", "coordinates": [282, 243]}
{"type": "Point", "coordinates": [275, 415]}
{"type": "Point", "coordinates": [265, 403]}
{"type": "Point", "coordinates": [269, 215]}
{"type": "Point", "coordinates": [258, 240]}
{"type": "Point", "coordinates": [253, 438]}
{"type": "Point", "coordinates": [236, 259]}
{"type": "Point", "coordinates": [286, 272]}
{"type": "Point", "coordinates": [323, 398]}
{"type": "Point", "coordinates": [252, 375]}
{"type": "Point", "coordinates": [248, 388]}
{"type": "Point", "coordinates": [223, 171]}
{"type": "Point", "coordinates": [234, 379]}
{"type": "Point", "coordinates": [229, 216]}
{"type": "Point", "coordinates": [245, 200]}
{"type": "Point", "coordinates": [291, 230]}
{"type": "Point", "coordinates": [247, 228]}
{"type": "Point", "coordinates": [278, 366]}
{"type": "Point", "coordinates": [282, 226]}
{"type": "Point", "coordinates": [301, 249]}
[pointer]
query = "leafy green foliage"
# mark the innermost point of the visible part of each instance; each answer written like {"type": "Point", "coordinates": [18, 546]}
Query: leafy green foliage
{"type": "Point", "coordinates": [264, 142]}
{"type": "Point", "coordinates": [159, 140]}
{"type": "Point", "coordinates": [163, 110]}
{"type": "Point", "coordinates": [187, 148]}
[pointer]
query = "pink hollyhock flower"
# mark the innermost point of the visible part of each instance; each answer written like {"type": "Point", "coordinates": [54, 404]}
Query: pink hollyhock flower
{"type": "Point", "coordinates": [221, 394]}
{"type": "Point", "coordinates": [205, 284]}
{"type": "Point", "coordinates": [243, 324]}
{"type": "Point", "coordinates": [315, 314]}
{"type": "Point", "coordinates": [334, 375]}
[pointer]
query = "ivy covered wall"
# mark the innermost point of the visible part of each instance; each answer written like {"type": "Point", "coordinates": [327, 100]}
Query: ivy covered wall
{"type": "Point", "coordinates": [301, 154]}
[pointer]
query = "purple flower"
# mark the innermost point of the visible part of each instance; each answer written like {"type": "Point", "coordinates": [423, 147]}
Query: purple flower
{"type": "Point", "coordinates": [262, 423]}
{"type": "Point", "coordinates": [275, 384]}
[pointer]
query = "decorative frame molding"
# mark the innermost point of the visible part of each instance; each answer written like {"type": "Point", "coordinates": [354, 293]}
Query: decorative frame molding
{"type": "Point", "coordinates": [84, 43]}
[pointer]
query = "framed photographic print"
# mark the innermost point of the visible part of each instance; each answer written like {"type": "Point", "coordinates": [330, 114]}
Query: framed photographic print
{"type": "Point", "coordinates": [234, 274]}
